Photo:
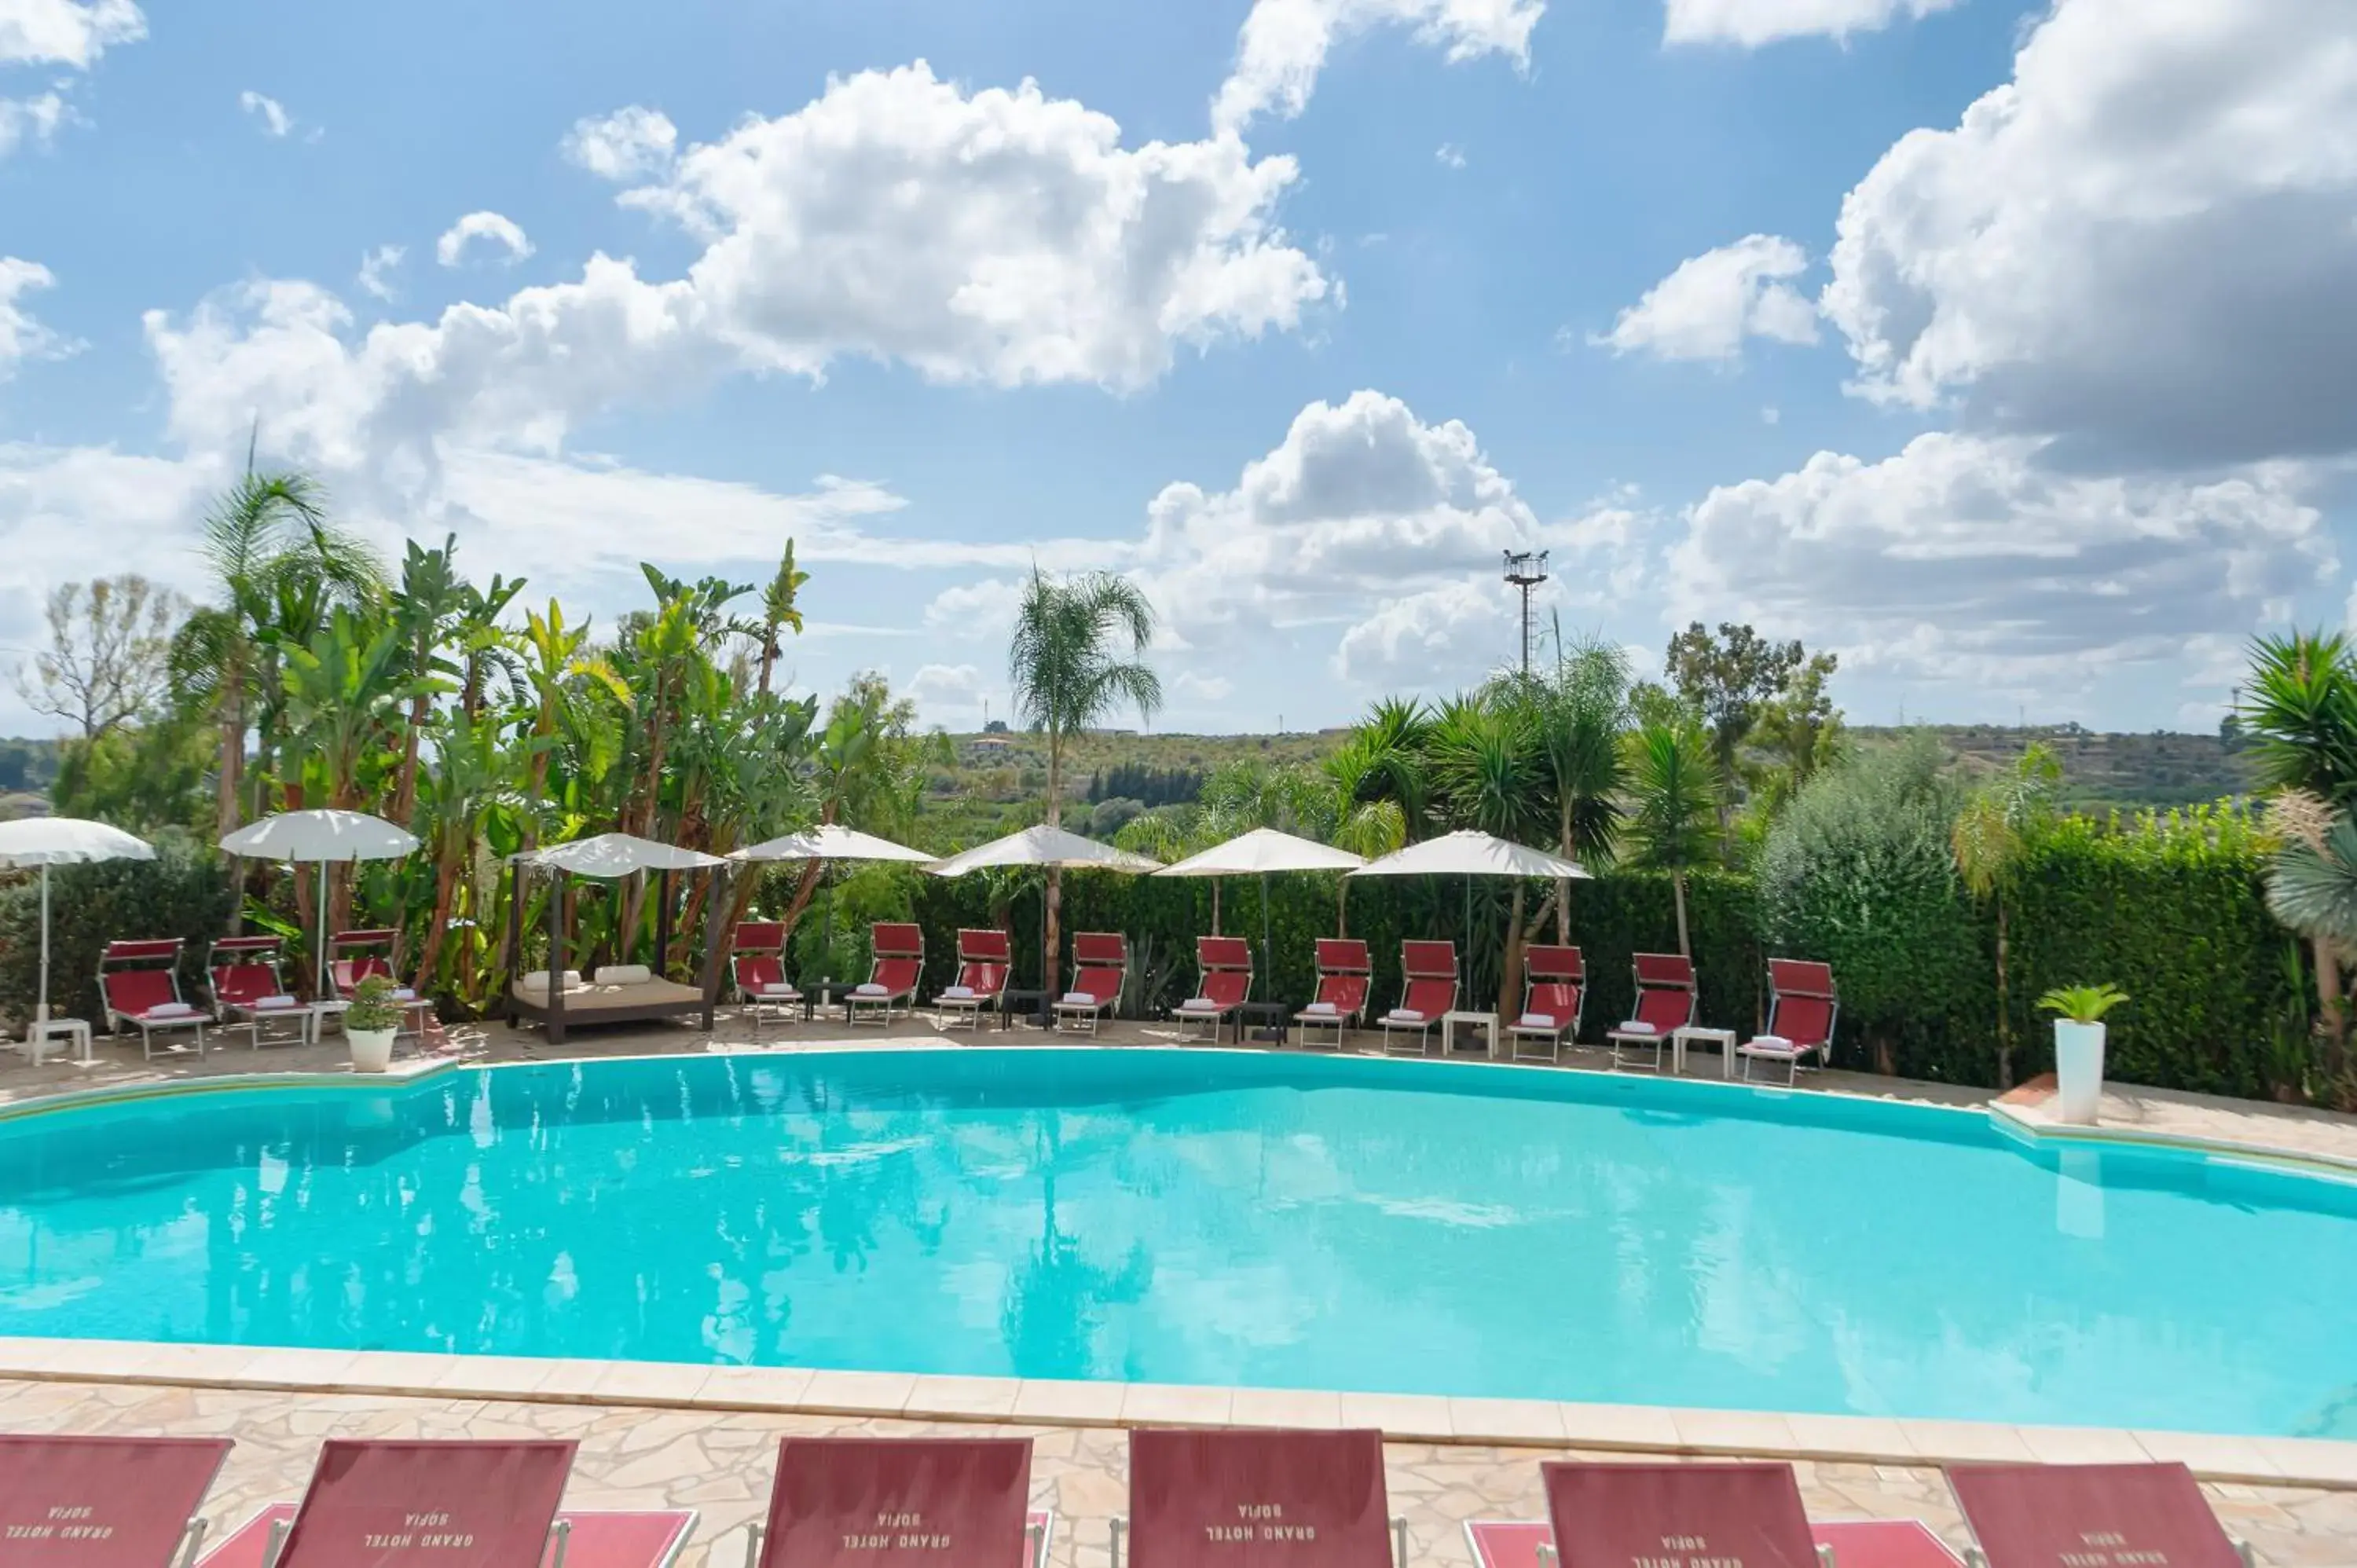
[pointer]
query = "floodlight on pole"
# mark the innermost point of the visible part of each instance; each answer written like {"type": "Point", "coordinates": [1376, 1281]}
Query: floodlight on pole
{"type": "Point", "coordinates": [1526, 569]}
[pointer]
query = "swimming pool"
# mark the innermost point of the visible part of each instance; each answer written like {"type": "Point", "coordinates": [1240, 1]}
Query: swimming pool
{"type": "Point", "coordinates": [1204, 1216]}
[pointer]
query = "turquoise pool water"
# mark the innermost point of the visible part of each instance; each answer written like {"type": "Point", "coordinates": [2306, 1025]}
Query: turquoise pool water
{"type": "Point", "coordinates": [1217, 1218]}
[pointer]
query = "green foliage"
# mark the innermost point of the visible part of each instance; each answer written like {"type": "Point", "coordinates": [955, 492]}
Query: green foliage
{"type": "Point", "coordinates": [2300, 714]}
{"type": "Point", "coordinates": [372, 1005]}
{"type": "Point", "coordinates": [181, 893]}
{"type": "Point", "coordinates": [2082, 1004]}
{"type": "Point", "coordinates": [2312, 887]}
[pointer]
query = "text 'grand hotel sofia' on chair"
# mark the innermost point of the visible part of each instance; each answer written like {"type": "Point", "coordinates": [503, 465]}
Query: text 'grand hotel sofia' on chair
{"type": "Point", "coordinates": [901, 1503]}
{"type": "Point", "coordinates": [985, 959]}
{"type": "Point", "coordinates": [2036, 1516]}
{"type": "Point", "coordinates": [1258, 1500]}
{"type": "Point", "coordinates": [104, 1502]}
{"type": "Point", "coordinates": [1345, 971]}
{"type": "Point", "coordinates": [1665, 1003]}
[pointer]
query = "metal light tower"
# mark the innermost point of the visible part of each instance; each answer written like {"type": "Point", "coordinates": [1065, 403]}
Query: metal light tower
{"type": "Point", "coordinates": [1526, 569]}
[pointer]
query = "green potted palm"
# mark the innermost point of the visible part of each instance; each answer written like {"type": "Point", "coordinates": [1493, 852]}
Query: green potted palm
{"type": "Point", "coordinates": [2079, 1046]}
{"type": "Point", "coordinates": [370, 1021]}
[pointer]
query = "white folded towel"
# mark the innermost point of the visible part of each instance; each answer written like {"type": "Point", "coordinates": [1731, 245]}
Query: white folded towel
{"type": "Point", "coordinates": [1404, 1016]}
{"type": "Point", "coordinates": [868, 988]}
{"type": "Point", "coordinates": [1079, 999]}
{"type": "Point", "coordinates": [170, 1010]}
{"type": "Point", "coordinates": [1774, 1044]}
{"type": "Point", "coordinates": [1323, 1009]}
{"type": "Point", "coordinates": [1535, 1020]}
{"type": "Point", "coordinates": [403, 993]}
{"type": "Point", "coordinates": [1199, 1004]}
{"type": "Point", "coordinates": [779, 988]}
{"type": "Point", "coordinates": [275, 1002]}
{"type": "Point", "coordinates": [1638, 1027]}
{"type": "Point", "coordinates": [958, 993]}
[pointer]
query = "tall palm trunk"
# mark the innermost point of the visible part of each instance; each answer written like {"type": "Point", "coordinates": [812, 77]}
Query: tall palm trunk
{"type": "Point", "coordinates": [1510, 971]}
{"type": "Point", "coordinates": [445, 892]}
{"type": "Point", "coordinates": [1678, 894]}
{"type": "Point", "coordinates": [232, 781]}
{"type": "Point", "coordinates": [2328, 996]}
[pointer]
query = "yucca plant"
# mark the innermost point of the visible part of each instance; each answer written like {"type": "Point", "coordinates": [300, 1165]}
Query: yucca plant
{"type": "Point", "coordinates": [2082, 1004]}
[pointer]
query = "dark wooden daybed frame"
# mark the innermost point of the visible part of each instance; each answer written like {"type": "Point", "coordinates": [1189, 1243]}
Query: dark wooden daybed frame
{"type": "Point", "coordinates": [550, 1010]}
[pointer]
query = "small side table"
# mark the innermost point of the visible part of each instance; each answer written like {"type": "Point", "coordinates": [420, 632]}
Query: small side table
{"type": "Point", "coordinates": [74, 1032]}
{"type": "Point", "coordinates": [1448, 1022]}
{"type": "Point", "coordinates": [1014, 1004]}
{"type": "Point", "coordinates": [1263, 1018]}
{"type": "Point", "coordinates": [1694, 1034]}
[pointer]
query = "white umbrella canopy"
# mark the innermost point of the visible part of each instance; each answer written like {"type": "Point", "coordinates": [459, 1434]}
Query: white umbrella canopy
{"type": "Point", "coordinates": [618, 854]}
{"type": "Point", "coordinates": [328, 837]}
{"type": "Point", "coordinates": [1046, 846]}
{"type": "Point", "coordinates": [1264, 849]}
{"type": "Point", "coordinates": [62, 840]}
{"type": "Point", "coordinates": [1471, 853]}
{"type": "Point", "coordinates": [831, 841]}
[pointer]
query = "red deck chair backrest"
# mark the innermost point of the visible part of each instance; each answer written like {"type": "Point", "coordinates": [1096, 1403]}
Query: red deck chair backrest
{"type": "Point", "coordinates": [134, 991]}
{"type": "Point", "coordinates": [245, 970]}
{"type": "Point", "coordinates": [1100, 963]}
{"type": "Point", "coordinates": [1665, 989]}
{"type": "Point", "coordinates": [1556, 976]}
{"type": "Point", "coordinates": [126, 1499]}
{"type": "Point", "coordinates": [483, 1505]}
{"type": "Point", "coordinates": [1344, 966]}
{"type": "Point", "coordinates": [1258, 1499]}
{"type": "Point", "coordinates": [1800, 1002]}
{"type": "Point", "coordinates": [985, 958]}
{"type": "Point", "coordinates": [2041, 1514]}
{"type": "Point", "coordinates": [899, 952]}
{"type": "Point", "coordinates": [898, 1502]}
{"type": "Point", "coordinates": [1227, 969]}
{"type": "Point", "coordinates": [757, 955]}
{"type": "Point", "coordinates": [353, 956]}
{"type": "Point", "coordinates": [1431, 971]}
{"type": "Point", "coordinates": [1617, 1514]}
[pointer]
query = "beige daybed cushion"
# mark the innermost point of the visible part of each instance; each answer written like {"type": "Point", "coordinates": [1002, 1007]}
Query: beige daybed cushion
{"type": "Point", "coordinates": [645, 993]}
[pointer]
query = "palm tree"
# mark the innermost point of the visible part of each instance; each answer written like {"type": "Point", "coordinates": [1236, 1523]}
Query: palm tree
{"type": "Point", "coordinates": [779, 613]}
{"type": "Point", "coordinates": [2300, 710]}
{"type": "Point", "coordinates": [1579, 709]}
{"type": "Point", "coordinates": [1068, 676]}
{"type": "Point", "coordinates": [1990, 836]}
{"type": "Point", "coordinates": [1674, 818]}
{"type": "Point", "coordinates": [1489, 764]}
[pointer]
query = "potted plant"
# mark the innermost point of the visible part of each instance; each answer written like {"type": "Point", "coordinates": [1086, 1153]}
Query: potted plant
{"type": "Point", "coordinates": [369, 1021]}
{"type": "Point", "coordinates": [2079, 1046]}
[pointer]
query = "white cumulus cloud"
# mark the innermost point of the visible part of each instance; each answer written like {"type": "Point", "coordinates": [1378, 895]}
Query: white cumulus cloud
{"type": "Point", "coordinates": [950, 695]}
{"type": "Point", "coordinates": [376, 267]}
{"type": "Point", "coordinates": [69, 33]}
{"type": "Point", "coordinates": [1285, 43]}
{"type": "Point", "coordinates": [628, 144]}
{"type": "Point", "coordinates": [1706, 308]}
{"type": "Point", "coordinates": [1752, 23]}
{"type": "Point", "coordinates": [30, 119]}
{"type": "Point", "coordinates": [21, 337]}
{"type": "Point", "coordinates": [275, 121]}
{"type": "Point", "coordinates": [492, 229]}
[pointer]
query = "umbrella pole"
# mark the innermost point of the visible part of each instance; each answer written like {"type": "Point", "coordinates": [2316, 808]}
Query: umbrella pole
{"type": "Point", "coordinates": [41, 1008]}
{"type": "Point", "coordinates": [1267, 962]}
{"type": "Point", "coordinates": [1215, 906]}
{"type": "Point", "coordinates": [319, 951]}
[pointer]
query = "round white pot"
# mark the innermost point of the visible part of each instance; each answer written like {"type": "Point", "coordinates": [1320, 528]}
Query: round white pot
{"type": "Point", "coordinates": [2078, 1069]}
{"type": "Point", "coordinates": [372, 1050]}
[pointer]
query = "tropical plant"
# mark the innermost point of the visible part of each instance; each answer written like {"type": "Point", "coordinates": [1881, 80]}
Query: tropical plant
{"type": "Point", "coordinates": [1066, 665]}
{"type": "Point", "coordinates": [1674, 804]}
{"type": "Point", "coordinates": [1988, 840]}
{"type": "Point", "coordinates": [2299, 713]}
{"type": "Point", "coordinates": [2082, 1004]}
{"type": "Point", "coordinates": [373, 1006]}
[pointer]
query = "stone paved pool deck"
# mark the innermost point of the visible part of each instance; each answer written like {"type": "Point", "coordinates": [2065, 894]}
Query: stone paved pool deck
{"type": "Point", "coordinates": [702, 1436]}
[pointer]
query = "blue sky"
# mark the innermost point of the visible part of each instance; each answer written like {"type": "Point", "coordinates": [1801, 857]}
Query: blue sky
{"type": "Point", "coordinates": [2004, 349]}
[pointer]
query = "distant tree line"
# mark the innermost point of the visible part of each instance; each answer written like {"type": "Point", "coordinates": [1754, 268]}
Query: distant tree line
{"type": "Point", "coordinates": [1149, 787]}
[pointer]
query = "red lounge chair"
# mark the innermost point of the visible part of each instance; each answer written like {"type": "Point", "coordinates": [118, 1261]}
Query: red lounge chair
{"type": "Point", "coordinates": [1428, 990]}
{"type": "Point", "coordinates": [353, 956]}
{"type": "Point", "coordinates": [1344, 969]}
{"type": "Point", "coordinates": [1665, 1003]}
{"type": "Point", "coordinates": [1801, 1007]}
{"type": "Point", "coordinates": [139, 985]}
{"type": "Point", "coordinates": [594, 1538]}
{"type": "Point", "coordinates": [891, 982]}
{"type": "Point", "coordinates": [1614, 1516]}
{"type": "Point", "coordinates": [103, 1502]}
{"type": "Point", "coordinates": [2046, 1514]}
{"type": "Point", "coordinates": [422, 1504]}
{"type": "Point", "coordinates": [1556, 995]}
{"type": "Point", "coordinates": [1226, 963]}
{"type": "Point", "coordinates": [1100, 971]}
{"type": "Point", "coordinates": [757, 961]}
{"type": "Point", "coordinates": [249, 987]}
{"type": "Point", "coordinates": [985, 959]}
{"type": "Point", "coordinates": [1258, 1500]}
{"type": "Point", "coordinates": [902, 1502]}
{"type": "Point", "coordinates": [1854, 1543]}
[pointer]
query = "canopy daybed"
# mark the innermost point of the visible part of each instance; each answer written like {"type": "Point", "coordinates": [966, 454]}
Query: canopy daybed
{"type": "Point", "coordinates": [616, 992]}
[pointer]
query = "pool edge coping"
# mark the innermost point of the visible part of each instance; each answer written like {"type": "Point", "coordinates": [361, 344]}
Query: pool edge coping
{"type": "Point", "coordinates": [2279, 1462]}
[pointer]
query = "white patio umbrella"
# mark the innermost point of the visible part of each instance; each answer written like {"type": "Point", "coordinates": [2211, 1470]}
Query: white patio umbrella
{"type": "Point", "coordinates": [328, 837]}
{"type": "Point", "coordinates": [1261, 851]}
{"type": "Point", "coordinates": [62, 840]}
{"type": "Point", "coordinates": [831, 841]}
{"type": "Point", "coordinates": [618, 854]}
{"type": "Point", "coordinates": [1470, 853]}
{"type": "Point", "coordinates": [1043, 846]}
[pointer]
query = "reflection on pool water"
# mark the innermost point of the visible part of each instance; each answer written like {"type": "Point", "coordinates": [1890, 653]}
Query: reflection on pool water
{"type": "Point", "coordinates": [1218, 1217]}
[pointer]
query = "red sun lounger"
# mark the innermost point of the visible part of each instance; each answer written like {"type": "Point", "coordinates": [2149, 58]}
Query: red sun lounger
{"type": "Point", "coordinates": [1428, 992]}
{"type": "Point", "coordinates": [594, 1538]}
{"type": "Point", "coordinates": [139, 985]}
{"type": "Point", "coordinates": [1854, 1543]}
{"type": "Point", "coordinates": [1343, 968]}
{"type": "Point", "coordinates": [756, 962]}
{"type": "Point", "coordinates": [1553, 1001]}
{"type": "Point", "coordinates": [103, 1502]}
{"type": "Point", "coordinates": [1100, 971]}
{"type": "Point", "coordinates": [1226, 963]}
{"type": "Point", "coordinates": [1665, 1003]}
{"type": "Point", "coordinates": [1801, 1011]}
{"type": "Point", "coordinates": [1622, 1516]}
{"type": "Point", "coordinates": [902, 1502]}
{"type": "Point", "coordinates": [985, 960]}
{"type": "Point", "coordinates": [891, 984]}
{"type": "Point", "coordinates": [353, 956]}
{"type": "Point", "coordinates": [427, 1503]}
{"type": "Point", "coordinates": [250, 987]}
{"type": "Point", "coordinates": [1258, 1500]}
{"type": "Point", "coordinates": [2036, 1516]}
